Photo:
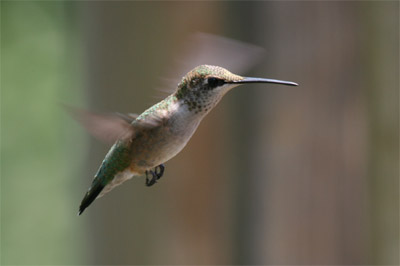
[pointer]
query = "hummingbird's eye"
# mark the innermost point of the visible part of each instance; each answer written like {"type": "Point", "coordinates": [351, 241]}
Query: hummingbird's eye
{"type": "Point", "coordinates": [214, 82]}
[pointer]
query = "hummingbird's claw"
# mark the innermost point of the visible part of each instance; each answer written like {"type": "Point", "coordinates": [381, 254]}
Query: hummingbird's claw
{"type": "Point", "coordinates": [160, 171]}
{"type": "Point", "coordinates": [155, 175]}
{"type": "Point", "coordinates": [153, 180]}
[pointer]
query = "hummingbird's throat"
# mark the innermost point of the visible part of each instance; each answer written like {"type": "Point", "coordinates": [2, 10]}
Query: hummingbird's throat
{"type": "Point", "coordinates": [201, 102]}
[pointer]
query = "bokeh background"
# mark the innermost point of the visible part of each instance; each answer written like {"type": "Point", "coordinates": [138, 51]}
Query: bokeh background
{"type": "Point", "coordinates": [274, 175]}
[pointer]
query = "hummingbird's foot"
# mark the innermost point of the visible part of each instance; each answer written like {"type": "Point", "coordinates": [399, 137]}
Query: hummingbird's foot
{"type": "Point", "coordinates": [153, 180]}
{"type": "Point", "coordinates": [159, 171]}
{"type": "Point", "coordinates": [155, 175]}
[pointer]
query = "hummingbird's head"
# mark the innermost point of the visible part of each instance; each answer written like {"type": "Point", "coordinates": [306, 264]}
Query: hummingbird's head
{"type": "Point", "coordinates": [203, 87]}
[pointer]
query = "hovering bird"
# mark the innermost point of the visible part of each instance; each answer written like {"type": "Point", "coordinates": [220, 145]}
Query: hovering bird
{"type": "Point", "coordinates": [145, 142]}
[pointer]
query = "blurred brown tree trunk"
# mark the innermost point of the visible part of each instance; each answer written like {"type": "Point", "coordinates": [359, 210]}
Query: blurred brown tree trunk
{"type": "Point", "coordinates": [381, 65]}
{"type": "Point", "coordinates": [306, 155]}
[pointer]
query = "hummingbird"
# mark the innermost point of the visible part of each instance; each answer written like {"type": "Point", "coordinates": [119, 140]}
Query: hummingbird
{"type": "Point", "coordinates": [145, 142]}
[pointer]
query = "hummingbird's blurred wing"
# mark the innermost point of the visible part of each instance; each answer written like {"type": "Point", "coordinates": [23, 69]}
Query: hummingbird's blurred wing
{"type": "Point", "coordinates": [129, 118]}
{"type": "Point", "coordinates": [146, 122]}
{"type": "Point", "coordinates": [105, 127]}
{"type": "Point", "coordinates": [208, 49]}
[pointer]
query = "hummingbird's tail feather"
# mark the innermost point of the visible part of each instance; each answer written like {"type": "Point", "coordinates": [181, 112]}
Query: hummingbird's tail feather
{"type": "Point", "coordinates": [90, 196]}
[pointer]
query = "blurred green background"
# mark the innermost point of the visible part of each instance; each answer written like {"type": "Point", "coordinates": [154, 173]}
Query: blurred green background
{"type": "Point", "coordinates": [274, 175]}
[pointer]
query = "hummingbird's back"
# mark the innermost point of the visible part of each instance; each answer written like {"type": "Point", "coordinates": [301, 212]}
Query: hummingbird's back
{"type": "Point", "coordinates": [116, 161]}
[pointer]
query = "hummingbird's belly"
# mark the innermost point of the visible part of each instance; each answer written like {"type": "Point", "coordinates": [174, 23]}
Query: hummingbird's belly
{"type": "Point", "coordinates": [157, 145]}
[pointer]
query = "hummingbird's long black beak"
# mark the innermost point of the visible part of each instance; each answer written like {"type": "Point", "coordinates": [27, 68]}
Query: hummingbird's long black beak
{"type": "Point", "coordinates": [262, 80]}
